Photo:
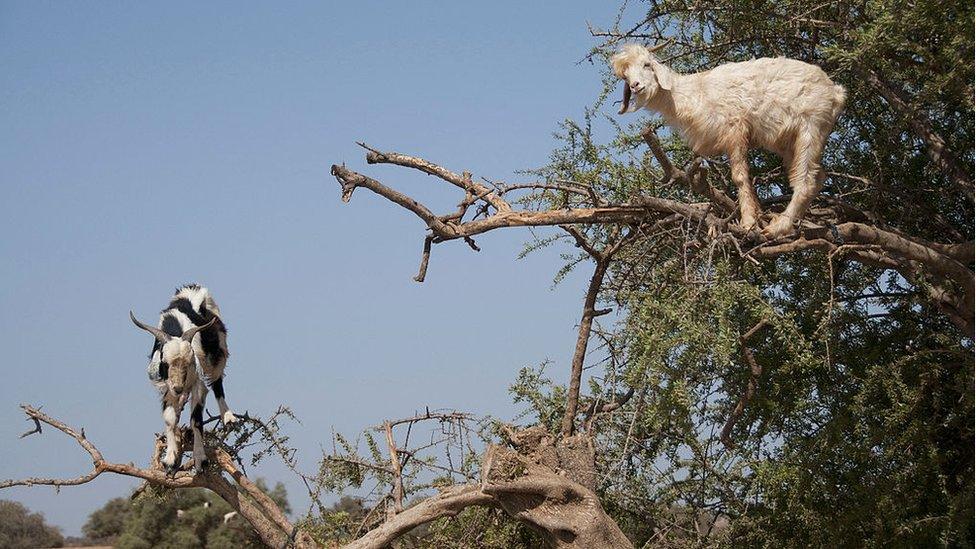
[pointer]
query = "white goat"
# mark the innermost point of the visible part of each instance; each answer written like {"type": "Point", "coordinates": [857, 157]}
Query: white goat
{"type": "Point", "coordinates": [784, 106]}
{"type": "Point", "coordinates": [190, 353]}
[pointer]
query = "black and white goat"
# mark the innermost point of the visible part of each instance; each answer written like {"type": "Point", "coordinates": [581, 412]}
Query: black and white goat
{"type": "Point", "coordinates": [189, 354]}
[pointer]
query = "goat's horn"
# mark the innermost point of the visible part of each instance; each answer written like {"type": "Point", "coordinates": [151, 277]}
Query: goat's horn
{"type": "Point", "coordinates": [656, 47]}
{"type": "Point", "coordinates": [188, 335]}
{"type": "Point", "coordinates": [626, 105]}
{"type": "Point", "coordinates": [160, 335]}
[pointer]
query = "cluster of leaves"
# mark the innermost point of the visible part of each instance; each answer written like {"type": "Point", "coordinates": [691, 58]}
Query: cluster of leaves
{"type": "Point", "coordinates": [440, 450]}
{"type": "Point", "coordinates": [476, 528]}
{"type": "Point", "coordinates": [175, 518]}
{"type": "Point", "coordinates": [337, 524]}
{"type": "Point", "coordinates": [21, 528]}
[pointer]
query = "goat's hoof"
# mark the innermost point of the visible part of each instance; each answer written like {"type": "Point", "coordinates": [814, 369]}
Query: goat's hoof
{"type": "Point", "coordinates": [780, 226]}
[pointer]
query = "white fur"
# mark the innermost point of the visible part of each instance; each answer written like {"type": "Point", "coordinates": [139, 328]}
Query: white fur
{"type": "Point", "coordinates": [785, 106]}
{"type": "Point", "coordinates": [170, 419]}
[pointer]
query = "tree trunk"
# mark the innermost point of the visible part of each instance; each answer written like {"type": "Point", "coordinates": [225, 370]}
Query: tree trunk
{"type": "Point", "coordinates": [550, 486]}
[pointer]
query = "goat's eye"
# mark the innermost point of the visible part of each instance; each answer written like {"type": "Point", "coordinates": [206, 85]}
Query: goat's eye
{"type": "Point", "coordinates": [647, 65]}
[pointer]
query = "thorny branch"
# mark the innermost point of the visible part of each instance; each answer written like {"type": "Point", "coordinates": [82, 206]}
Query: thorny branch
{"type": "Point", "coordinates": [833, 227]}
{"type": "Point", "coordinates": [523, 482]}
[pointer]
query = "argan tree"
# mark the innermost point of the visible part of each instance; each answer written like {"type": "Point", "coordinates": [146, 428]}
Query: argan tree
{"type": "Point", "coordinates": [812, 390]}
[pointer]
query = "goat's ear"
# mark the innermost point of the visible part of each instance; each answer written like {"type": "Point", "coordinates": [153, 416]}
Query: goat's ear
{"type": "Point", "coordinates": [662, 74]}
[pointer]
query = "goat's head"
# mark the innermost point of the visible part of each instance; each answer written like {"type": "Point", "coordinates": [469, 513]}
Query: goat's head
{"type": "Point", "coordinates": [176, 354]}
{"type": "Point", "coordinates": [642, 73]}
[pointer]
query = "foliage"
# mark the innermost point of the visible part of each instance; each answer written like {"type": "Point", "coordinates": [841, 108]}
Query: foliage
{"type": "Point", "coordinates": [546, 402]}
{"type": "Point", "coordinates": [860, 432]}
{"type": "Point", "coordinates": [175, 518]}
{"type": "Point", "coordinates": [106, 523]}
{"type": "Point", "coordinates": [338, 523]}
{"type": "Point", "coordinates": [476, 527]}
{"type": "Point", "coordinates": [21, 528]}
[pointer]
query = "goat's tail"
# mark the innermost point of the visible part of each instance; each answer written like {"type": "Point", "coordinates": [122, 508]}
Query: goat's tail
{"type": "Point", "coordinates": [840, 99]}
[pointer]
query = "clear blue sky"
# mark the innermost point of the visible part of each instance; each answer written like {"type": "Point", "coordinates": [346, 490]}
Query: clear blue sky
{"type": "Point", "coordinates": [147, 145]}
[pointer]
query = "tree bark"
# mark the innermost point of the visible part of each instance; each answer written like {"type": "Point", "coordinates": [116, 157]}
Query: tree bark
{"type": "Point", "coordinates": [550, 486]}
{"type": "Point", "coordinates": [582, 341]}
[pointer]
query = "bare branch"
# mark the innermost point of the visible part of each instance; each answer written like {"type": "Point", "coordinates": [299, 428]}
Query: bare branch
{"type": "Point", "coordinates": [693, 177]}
{"type": "Point", "coordinates": [448, 503]}
{"type": "Point", "coordinates": [256, 509]}
{"type": "Point", "coordinates": [596, 407]}
{"type": "Point", "coordinates": [424, 259]}
{"type": "Point", "coordinates": [394, 468]}
{"type": "Point", "coordinates": [755, 371]}
{"type": "Point", "coordinates": [461, 181]}
{"type": "Point", "coordinates": [36, 429]}
{"type": "Point", "coordinates": [827, 229]}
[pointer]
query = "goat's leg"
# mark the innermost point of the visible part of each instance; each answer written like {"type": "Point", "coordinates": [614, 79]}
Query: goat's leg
{"type": "Point", "coordinates": [806, 178]}
{"type": "Point", "coordinates": [226, 415]}
{"type": "Point", "coordinates": [171, 417]}
{"type": "Point", "coordinates": [196, 424]}
{"type": "Point", "coordinates": [749, 207]}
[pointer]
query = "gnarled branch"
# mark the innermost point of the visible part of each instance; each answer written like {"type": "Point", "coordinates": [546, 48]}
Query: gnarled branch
{"type": "Point", "coordinates": [945, 266]}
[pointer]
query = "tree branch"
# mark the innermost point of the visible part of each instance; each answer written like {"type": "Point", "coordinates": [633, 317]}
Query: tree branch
{"type": "Point", "coordinates": [394, 468]}
{"type": "Point", "coordinates": [258, 509]}
{"type": "Point", "coordinates": [461, 181]}
{"type": "Point", "coordinates": [935, 145]}
{"type": "Point", "coordinates": [755, 370]}
{"type": "Point", "coordinates": [693, 177]}
{"type": "Point", "coordinates": [446, 504]}
{"type": "Point", "coordinates": [869, 244]}
{"type": "Point", "coordinates": [582, 340]}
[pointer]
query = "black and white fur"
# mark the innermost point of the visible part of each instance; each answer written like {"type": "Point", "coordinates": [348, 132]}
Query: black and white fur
{"type": "Point", "coordinates": [188, 356]}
